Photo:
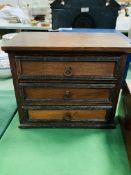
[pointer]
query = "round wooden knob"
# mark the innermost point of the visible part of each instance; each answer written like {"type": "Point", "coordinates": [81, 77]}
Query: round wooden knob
{"type": "Point", "coordinates": [67, 116]}
{"type": "Point", "coordinates": [67, 94]}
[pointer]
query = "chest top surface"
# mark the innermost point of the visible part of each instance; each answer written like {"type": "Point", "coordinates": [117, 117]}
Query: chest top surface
{"type": "Point", "coordinates": [66, 41]}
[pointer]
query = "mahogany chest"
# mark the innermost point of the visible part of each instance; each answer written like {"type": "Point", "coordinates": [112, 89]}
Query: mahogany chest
{"type": "Point", "coordinates": [67, 79]}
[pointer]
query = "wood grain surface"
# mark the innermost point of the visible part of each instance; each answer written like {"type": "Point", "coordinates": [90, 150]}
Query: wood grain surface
{"type": "Point", "coordinates": [59, 68]}
{"type": "Point", "coordinates": [72, 63]}
{"type": "Point", "coordinates": [66, 93]}
{"type": "Point", "coordinates": [68, 41]}
{"type": "Point", "coordinates": [61, 114]}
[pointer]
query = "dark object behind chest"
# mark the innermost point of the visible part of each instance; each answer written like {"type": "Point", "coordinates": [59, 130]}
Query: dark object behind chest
{"type": "Point", "coordinates": [84, 13]}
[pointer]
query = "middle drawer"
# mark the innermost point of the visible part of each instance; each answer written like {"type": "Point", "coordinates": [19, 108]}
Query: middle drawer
{"type": "Point", "coordinates": [55, 93]}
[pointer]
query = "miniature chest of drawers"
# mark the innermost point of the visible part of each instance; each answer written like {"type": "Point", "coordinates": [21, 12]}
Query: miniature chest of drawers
{"type": "Point", "coordinates": [67, 79]}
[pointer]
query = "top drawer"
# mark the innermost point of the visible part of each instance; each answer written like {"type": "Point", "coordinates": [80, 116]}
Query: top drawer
{"type": "Point", "coordinates": [60, 68]}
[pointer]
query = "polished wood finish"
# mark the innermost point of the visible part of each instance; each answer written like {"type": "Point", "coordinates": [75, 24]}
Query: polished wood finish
{"type": "Point", "coordinates": [67, 69]}
{"type": "Point", "coordinates": [54, 41]}
{"type": "Point", "coordinates": [67, 79]}
{"type": "Point", "coordinates": [66, 93]}
{"type": "Point", "coordinates": [64, 65]}
{"type": "Point", "coordinates": [71, 115]}
{"type": "Point", "coordinates": [58, 93]}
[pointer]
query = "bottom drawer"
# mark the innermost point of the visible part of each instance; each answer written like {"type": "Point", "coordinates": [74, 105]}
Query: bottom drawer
{"type": "Point", "coordinates": [74, 113]}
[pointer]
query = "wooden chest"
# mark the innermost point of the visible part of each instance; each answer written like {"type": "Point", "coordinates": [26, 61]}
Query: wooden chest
{"type": "Point", "coordinates": [67, 79]}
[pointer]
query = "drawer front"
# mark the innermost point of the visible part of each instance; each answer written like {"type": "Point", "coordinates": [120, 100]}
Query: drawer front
{"type": "Point", "coordinates": [76, 68]}
{"type": "Point", "coordinates": [89, 113]}
{"type": "Point", "coordinates": [66, 93]}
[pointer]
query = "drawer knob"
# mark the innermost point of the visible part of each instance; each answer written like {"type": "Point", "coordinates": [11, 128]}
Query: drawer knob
{"type": "Point", "coordinates": [68, 71]}
{"type": "Point", "coordinates": [67, 94]}
{"type": "Point", "coordinates": [67, 116]}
